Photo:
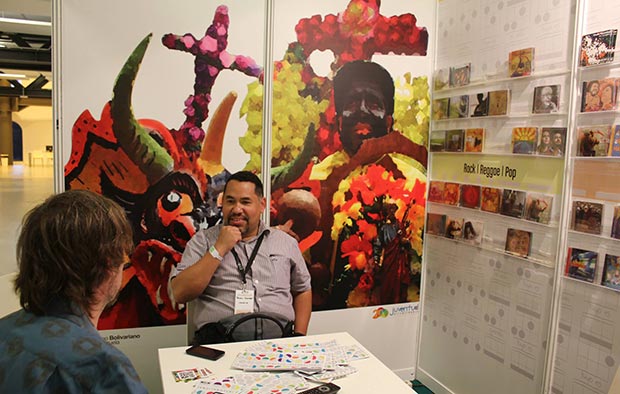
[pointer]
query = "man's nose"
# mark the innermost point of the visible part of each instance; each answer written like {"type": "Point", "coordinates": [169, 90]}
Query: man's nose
{"type": "Point", "coordinates": [363, 107]}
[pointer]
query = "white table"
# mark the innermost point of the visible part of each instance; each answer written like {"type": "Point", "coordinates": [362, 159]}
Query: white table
{"type": "Point", "coordinates": [372, 375]}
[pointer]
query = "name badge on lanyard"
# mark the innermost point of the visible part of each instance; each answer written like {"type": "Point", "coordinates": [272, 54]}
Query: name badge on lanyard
{"type": "Point", "coordinates": [244, 299]}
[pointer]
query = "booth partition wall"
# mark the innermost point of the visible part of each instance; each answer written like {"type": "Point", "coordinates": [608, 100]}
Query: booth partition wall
{"type": "Point", "coordinates": [520, 287]}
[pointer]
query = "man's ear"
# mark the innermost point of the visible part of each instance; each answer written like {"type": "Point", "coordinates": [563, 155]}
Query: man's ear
{"type": "Point", "coordinates": [263, 204]}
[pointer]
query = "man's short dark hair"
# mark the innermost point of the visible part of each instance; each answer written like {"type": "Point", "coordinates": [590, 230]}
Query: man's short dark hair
{"type": "Point", "coordinates": [67, 247]}
{"type": "Point", "coordinates": [247, 176]}
{"type": "Point", "coordinates": [361, 70]}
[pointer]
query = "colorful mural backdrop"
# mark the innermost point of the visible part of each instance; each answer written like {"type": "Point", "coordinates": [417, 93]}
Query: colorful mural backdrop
{"type": "Point", "coordinates": [354, 185]}
{"type": "Point", "coordinates": [356, 199]}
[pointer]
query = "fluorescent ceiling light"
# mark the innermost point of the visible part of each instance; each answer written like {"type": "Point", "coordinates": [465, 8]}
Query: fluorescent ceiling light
{"type": "Point", "coordinates": [12, 76]}
{"type": "Point", "coordinates": [25, 21]}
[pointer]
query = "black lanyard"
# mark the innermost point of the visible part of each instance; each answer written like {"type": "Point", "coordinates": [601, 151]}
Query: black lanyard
{"type": "Point", "coordinates": [242, 271]}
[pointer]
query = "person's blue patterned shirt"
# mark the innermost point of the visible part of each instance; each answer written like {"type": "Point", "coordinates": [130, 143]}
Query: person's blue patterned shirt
{"type": "Point", "coordinates": [60, 353]}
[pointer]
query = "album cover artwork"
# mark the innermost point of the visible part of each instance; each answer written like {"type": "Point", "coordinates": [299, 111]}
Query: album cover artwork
{"type": "Point", "coordinates": [598, 48]}
{"type": "Point", "coordinates": [498, 102]}
{"type": "Point", "coordinates": [436, 224]}
{"type": "Point", "coordinates": [513, 203]}
{"type": "Point", "coordinates": [524, 140]}
{"type": "Point", "coordinates": [615, 223]}
{"type": "Point", "coordinates": [552, 141]}
{"type": "Point", "coordinates": [587, 217]}
{"type": "Point", "coordinates": [438, 140]}
{"type": "Point", "coordinates": [474, 139]}
{"type": "Point", "coordinates": [581, 264]}
{"type": "Point", "coordinates": [518, 242]}
{"type": "Point", "coordinates": [546, 99]}
{"type": "Point", "coordinates": [614, 143]}
{"type": "Point", "coordinates": [479, 104]}
{"type": "Point", "coordinates": [451, 193]}
{"type": "Point", "coordinates": [593, 140]}
{"type": "Point", "coordinates": [470, 196]}
{"type": "Point", "coordinates": [490, 199]}
{"type": "Point", "coordinates": [598, 95]}
{"type": "Point", "coordinates": [521, 62]}
{"type": "Point", "coordinates": [454, 140]}
{"type": "Point", "coordinates": [459, 107]}
{"type": "Point", "coordinates": [459, 76]}
{"type": "Point", "coordinates": [441, 108]}
{"type": "Point", "coordinates": [435, 191]}
{"type": "Point", "coordinates": [441, 79]}
{"type": "Point", "coordinates": [538, 207]}
{"type": "Point", "coordinates": [611, 272]}
{"type": "Point", "coordinates": [472, 231]}
{"type": "Point", "coordinates": [454, 228]}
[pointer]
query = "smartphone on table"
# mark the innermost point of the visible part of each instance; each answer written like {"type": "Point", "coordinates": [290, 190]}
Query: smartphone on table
{"type": "Point", "coordinates": [205, 352]}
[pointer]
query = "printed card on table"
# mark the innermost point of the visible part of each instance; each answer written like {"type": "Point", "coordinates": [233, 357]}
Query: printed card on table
{"type": "Point", "coordinates": [581, 264]}
{"type": "Point", "coordinates": [187, 375]}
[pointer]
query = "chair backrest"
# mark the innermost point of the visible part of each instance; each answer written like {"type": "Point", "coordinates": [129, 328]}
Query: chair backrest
{"type": "Point", "coordinates": [10, 301]}
{"type": "Point", "coordinates": [253, 326]}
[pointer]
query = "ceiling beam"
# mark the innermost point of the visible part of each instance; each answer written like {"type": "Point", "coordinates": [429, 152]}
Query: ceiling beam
{"type": "Point", "coordinates": [26, 59]}
{"type": "Point", "coordinates": [15, 92]}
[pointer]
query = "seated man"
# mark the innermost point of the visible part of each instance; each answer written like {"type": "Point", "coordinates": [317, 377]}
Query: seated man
{"type": "Point", "coordinates": [240, 266]}
{"type": "Point", "coordinates": [70, 255]}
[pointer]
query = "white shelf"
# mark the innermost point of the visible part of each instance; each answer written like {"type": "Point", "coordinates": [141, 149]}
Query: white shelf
{"type": "Point", "coordinates": [545, 263]}
{"type": "Point", "coordinates": [494, 80]}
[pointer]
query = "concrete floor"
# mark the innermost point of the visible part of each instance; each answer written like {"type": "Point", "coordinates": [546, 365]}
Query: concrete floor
{"type": "Point", "coordinates": [21, 188]}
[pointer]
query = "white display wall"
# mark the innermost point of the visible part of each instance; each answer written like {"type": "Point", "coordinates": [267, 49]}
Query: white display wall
{"type": "Point", "coordinates": [587, 355]}
{"type": "Point", "coordinates": [486, 313]}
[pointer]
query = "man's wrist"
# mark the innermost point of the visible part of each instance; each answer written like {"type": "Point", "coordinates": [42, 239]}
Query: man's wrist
{"type": "Point", "coordinates": [215, 254]}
